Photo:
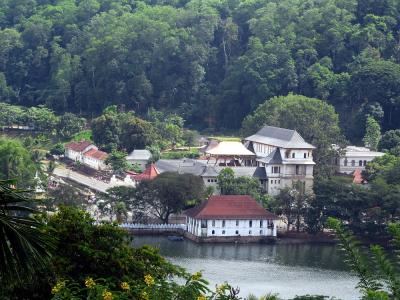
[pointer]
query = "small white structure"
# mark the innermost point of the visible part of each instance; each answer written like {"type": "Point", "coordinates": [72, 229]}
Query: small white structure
{"type": "Point", "coordinates": [140, 157]}
{"type": "Point", "coordinates": [355, 158]}
{"type": "Point", "coordinates": [95, 159]}
{"type": "Point", "coordinates": [86, 153]}
{"type": "Point", "coordinates": [75, 150]}
{"type": "Point", "coordinates": [231, 216]}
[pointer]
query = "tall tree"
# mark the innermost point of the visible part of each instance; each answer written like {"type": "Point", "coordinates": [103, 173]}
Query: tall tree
{"type": "Point", "coordinates": [170, 193]}
{"type": "Point", "coordinates": [372, 133]}
{"type": "Point", "coordinates": [17, 163]}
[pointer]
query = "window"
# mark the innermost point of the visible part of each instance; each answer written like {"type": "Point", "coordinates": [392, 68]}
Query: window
{"type": "Point", "coordinates": [223, 223]}
{"type": "Point", "coordinates": [293, 155]}
{"type": "Point", "coordinates": [203, 223]}
{"type": "Point", "coordinates": [279, 181]}
{"type": "Point", "coordinates": [213, 223]}
{"type": "Point", "coordinates": [345, 162]}
{"type": "Point", "coordinates": [237, 232]}
{"type": "Point", "coordinates": [223, 231]}
{"type": "Point", "coordinates": [275, 170]}
{"type": "Point", "coordinates": [305, 155]}
{"type": "Point", "coordinates": [249, 231]}
{"type": "Point", "coordinates": [365, 163]}
{"type": "Point", "coordinates": [360, 163]}
{"type": "Point", "coordinates": [237, 222]}
{"type": "Point", "coordinates": [261, 223]}
{"type": "Point", "coordinates": [261, 232]}
{"type": "Point", "coordinates": [250, 223]}
{"type": "Point", "coordinates": [353, 163]}
{"type": "Point", "coordinates": [272, 181]}
{"type": "Point", "coordinates": [213, 232]}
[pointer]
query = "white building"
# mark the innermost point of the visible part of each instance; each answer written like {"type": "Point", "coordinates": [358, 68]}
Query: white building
{"type": "Point", "coordinates": [139, 156]}
{"type": "Point", "coordinates": [95, 159]}
{"type": "Point", "coordinates": [75, 150]}
{"type": "Point", "coordinates": [87, 153]}
{"type": "Point", "coordinates": [285, 155]}
{"type": "Point", "coordinates": [355, 158]}
{"type": "Point", "coordinates": [231, 216]}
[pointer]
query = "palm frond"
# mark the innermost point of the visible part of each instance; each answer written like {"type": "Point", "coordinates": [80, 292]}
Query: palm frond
{"type": "Point", "coordinates": [24, 246]}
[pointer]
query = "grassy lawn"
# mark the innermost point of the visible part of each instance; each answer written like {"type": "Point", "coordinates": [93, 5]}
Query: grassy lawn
{"type": "Point", "coordinates": [192, 153]}
{"type": "Point", "coordinates": [222, 138]}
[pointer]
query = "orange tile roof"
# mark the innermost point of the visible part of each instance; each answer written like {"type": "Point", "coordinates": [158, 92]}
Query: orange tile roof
{"type": "Point", "coordinates": [78, 146]}
{"type": "Point", "coordinates": [151, 172]}
{"type": "Point", "coordinates": [230, 207]}
{"type": "Point", "coordinates": [357, 177]}
{"type": "Point", "coordinates": [97, 154]}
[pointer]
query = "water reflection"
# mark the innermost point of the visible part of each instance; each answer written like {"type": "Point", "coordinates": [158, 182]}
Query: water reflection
{"type": "Point", "coordinates": [308, 255]}
{"type": "Point", "coordinates": [289, 270]}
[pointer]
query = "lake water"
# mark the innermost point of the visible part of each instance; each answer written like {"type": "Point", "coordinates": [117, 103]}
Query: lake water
{"type": "Point", "coordinates": [286, 269]}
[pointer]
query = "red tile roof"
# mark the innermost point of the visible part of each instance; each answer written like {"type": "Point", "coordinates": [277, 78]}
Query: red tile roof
{"type": "Point", "coordinates": [151, 172]}
{"type": "Point", "coordinates": [78, 146]}
{"type": "Point", "coordinates": [357, 177]}
{"type": "Point", "coordinates": [97, 154]}
{"type": "Point", "coordinates": [230, 207]}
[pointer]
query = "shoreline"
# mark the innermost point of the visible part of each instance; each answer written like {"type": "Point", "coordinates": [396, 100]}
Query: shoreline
{"type": "Point", "coordinates": [282, 238]}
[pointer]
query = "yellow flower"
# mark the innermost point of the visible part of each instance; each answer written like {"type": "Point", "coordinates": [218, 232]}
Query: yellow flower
{"type": "Point", "coordinates": [58, 287]}
{"type": "Point", "coordinates": [196, 276]}
{"type": "Point", "coordinates": [125, 286]}
{"type": "Point", "coordinates": [107, 295]}
{"type": "Point", "coordinates": [201, 297]}
{"type": "Point", "coordinates": [221, 288]}
{"type": "Point", "coordinates": [148, 279]}
{"type": "Point", "coordinates": [89, 283]}
{"type": "Point", "coordinates": [144, 296]}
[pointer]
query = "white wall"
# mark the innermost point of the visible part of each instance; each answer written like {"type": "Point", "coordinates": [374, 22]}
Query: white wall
{"type": "Point", "coordinates": [342, 168]}
{"type": "Point", "coordinates": [94, 163]}
{"type": "Point", "coordinates": [231, 228]}
{"type": "Point", "coordinates": [77, 156]}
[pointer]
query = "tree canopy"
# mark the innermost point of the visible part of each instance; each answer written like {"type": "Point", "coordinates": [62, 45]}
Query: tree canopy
{"type": "Point", "coordinates": [210, 62]}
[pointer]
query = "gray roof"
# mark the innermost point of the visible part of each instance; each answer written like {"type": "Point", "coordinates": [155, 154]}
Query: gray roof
{"type": "Point", "coordinates": [181, 166]}
{"type": "Point", "coordinates": [199, 168]}
{"type": "Point", "coordinates": [258, 172]}
{"type": "Point", "coordinates": [280, 137]}
{"type": "Point", "coordinates": [139, 154]}
{"type": "Point", "coordinates": [275, 157]}
{"type": "Point", "coordinates": [209, 171]}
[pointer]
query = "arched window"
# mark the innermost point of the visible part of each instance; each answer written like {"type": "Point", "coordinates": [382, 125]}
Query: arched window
{"type": "Point", "coordinates": [213, 232]}
{"type": "Point", "coordinates": [365, 163]}
{"type": "Point", "coordinates": [345, 162]}
{"type": "Point", "coordinates": [360, 163]}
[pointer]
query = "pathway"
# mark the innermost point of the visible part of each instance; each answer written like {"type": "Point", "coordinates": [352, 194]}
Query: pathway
{"type": "Point", "coordinates": [90, 182]}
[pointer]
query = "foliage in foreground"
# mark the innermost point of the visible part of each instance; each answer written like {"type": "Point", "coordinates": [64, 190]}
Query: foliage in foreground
{"type": "Point", "coordinates": [377, 269]}
{"type": "Point", "coordinates": [23, 244]}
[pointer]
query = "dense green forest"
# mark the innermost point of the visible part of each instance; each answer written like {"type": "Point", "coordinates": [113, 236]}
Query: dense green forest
{"type": "Point", "coordinates": [210, 61]}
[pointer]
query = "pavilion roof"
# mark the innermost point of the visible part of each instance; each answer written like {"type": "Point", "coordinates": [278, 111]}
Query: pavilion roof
{"type": "Point", "coordinates": [229, 149]}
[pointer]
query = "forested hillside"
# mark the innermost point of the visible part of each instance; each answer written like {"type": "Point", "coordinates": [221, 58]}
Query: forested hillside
{"type": "Point", "coordinates": [211, 61]}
